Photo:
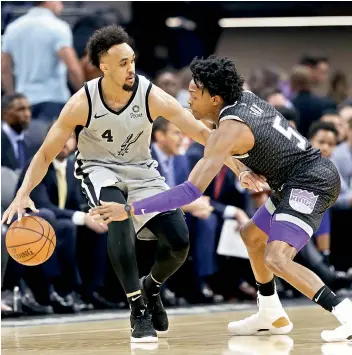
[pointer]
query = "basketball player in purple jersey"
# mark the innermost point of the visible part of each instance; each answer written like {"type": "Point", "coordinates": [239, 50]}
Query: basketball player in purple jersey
{"type": "Point", "coordinates": [305, 184]}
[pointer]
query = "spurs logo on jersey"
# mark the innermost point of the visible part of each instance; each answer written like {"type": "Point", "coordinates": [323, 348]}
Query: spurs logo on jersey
{"type": "Point", "coordinates": [129, 140]}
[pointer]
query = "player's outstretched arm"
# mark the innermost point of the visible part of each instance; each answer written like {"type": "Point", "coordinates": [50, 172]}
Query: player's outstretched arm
{"type": "Point", "coordinates": [219, 147]}
{"type": "Point", "coordinates": [164, 105]}
{"type": "Point", "coordinates": [74, 113]}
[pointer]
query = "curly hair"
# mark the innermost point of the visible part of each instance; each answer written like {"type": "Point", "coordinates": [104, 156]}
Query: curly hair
{"type": "Point", "coordinates": [219, 76]}
{"type": "Point", "coordinates": [102, 40]}
{"type": "Point", "coordinates": [322, 126]}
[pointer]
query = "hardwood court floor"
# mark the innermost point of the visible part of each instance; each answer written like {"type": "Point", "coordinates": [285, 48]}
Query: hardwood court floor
{"type": "Point", "coordinates": [189, 335]}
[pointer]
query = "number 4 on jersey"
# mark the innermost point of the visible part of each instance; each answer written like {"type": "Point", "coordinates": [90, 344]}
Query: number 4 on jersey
{"type": "Point", "coordinates": [108, 136]}
{"type": "Point", "coordinates": [289, 132]}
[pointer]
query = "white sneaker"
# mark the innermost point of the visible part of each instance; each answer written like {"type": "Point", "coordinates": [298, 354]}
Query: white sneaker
{"type": "Point", "coordinates": [271, 318]}
{"type": "Point", "coordinates": [343, 312]}
{"type": "Point", "coordinates": [341, 333]}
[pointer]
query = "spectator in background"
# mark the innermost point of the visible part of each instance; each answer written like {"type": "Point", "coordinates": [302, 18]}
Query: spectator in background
{"type": "Point", "coordinates": [309, 106]}
{"type": "Point", "coordinates": [318, 66]}
{"type": "Point", "coordinates": [291, 115]}
{"type": "Point", "coordinates": [202, 223]}
{"type": "Point", "coordinates": [346, 114]}
{"type": "Point", "coordinates": [230, 201]}
{"type": "Point", "coordinates": [334, 118]}
{"type": "Point", "coordinates": [260, 79]}
{"type": "Point", "coordinates": [16, 116]}
{"type": "Point", "coordinates": [182, 96]}
{"type": "Point", "coordinates": [168, 81]}
{"type": "Point", "coordinates": [37, 54]}
{"type": "Point", "coordinates": [324, 136]}
{"type": "Point", "coordinates": [338, 88]}
{"type": "Point", "coordinates": [274, 97]}
{"type": "Point", "coordinates": [59, 192]}
{"type": "Point", "coordinates": [342, 158]}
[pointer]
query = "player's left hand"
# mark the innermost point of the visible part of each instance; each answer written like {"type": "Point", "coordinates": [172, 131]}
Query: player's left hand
{"type": "Point", "coordinates": [108, 212]}
{"type": "Point", "coordinates": [253, 181]}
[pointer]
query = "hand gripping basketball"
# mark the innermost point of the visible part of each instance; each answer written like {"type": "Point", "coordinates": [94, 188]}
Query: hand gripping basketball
{"type": "Point", "coordinates": [18, 205]}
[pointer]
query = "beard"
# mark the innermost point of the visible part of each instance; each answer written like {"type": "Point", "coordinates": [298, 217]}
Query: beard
{"type": "Point", "coordinates": [19, 126]}
{"type": "Point", "coordinates": [130, 88]}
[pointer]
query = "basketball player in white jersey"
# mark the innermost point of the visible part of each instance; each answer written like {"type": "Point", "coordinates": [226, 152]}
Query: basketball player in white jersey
{"type": "Point", "coordinates": [112, 117]}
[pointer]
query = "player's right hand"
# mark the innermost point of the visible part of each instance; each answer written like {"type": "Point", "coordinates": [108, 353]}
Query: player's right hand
{"type": "Point", "coordinates": [252, 181]}
{"type": "Point", "coordinates": [95, 226]}
{"type": "Point", "coordinates": [18, 205]}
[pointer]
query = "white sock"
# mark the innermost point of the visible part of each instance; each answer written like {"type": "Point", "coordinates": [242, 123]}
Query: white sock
{"type": "Point", "coordinates": [343, 311]}
{"type": "Point", "coordinates": [272, 301]}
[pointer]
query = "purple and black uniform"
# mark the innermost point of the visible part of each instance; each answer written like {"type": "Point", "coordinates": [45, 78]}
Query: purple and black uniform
{"type": "Point", "coordinates": [305, 184]}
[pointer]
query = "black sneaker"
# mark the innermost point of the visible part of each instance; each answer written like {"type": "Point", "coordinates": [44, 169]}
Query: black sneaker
{"type": "Point", "coordinates": [156, 309]}
{"type": "Point", "coordinates": [142, 330]}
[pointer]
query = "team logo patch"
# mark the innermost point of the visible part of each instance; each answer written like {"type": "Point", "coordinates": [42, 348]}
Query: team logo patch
{"type": "Point", "coordinates": [135, 108]}
{"type": "Point", "coordinates": [303, 201]}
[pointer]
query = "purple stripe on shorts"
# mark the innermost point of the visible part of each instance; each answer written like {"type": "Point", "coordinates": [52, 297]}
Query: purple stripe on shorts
{"type": "Point", "coordinates": [262, 219]}
{"type": "Point", "coordinates": [289, 233]}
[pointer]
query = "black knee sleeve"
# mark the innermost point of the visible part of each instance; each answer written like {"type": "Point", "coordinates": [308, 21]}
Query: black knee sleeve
{"type": "Point", "coordinates": [173, 243]}
{"type": "Point", "coordinates": [171, 229]}
{"type": "Point", "coordinates": [121, 249]}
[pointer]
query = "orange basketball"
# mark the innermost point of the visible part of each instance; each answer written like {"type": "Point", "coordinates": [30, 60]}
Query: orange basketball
{"type": "Point", "coordinates": [31, 241]}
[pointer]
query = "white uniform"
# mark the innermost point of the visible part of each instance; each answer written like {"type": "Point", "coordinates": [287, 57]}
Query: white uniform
{"type": "Point", "coordinates": [114, 150]}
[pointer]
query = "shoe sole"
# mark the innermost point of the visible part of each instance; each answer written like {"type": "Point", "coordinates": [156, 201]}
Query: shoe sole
{"type": "Point", "coordinates": [275, 331]}
{"type": "Point", "coordinates": [348, 339]}
{"type": "Point", "coordinates": [149, 339]}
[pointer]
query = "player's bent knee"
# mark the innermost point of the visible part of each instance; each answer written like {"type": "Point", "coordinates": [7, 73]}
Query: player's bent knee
{"type": "Point", "coordinates": [181, 238]}
{"type": "Point", "coordinates": [278, 256]}
{"type": "Point", "coordinates": [275, 262]}
{"type": "Point", "coordinates": [177, 235]}
{"type": "Point", "coordinates": [180, 254]}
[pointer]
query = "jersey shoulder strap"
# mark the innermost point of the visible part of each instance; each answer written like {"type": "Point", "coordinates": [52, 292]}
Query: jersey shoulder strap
{"type": "Point", "coordinates": [92, 92]}
{"type": "Point", "coordinates": [144, 88]}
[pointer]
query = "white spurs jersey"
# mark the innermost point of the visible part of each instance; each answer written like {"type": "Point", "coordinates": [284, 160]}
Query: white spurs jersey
{"type": "Point", "coordinates": [116, 137]}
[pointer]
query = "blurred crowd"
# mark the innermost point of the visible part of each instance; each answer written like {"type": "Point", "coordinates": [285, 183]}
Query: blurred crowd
{"type": "Point", "coordinates": [42, 66]}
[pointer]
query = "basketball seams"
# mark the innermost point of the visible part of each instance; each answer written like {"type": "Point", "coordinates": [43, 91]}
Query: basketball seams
{"type": "Point", "coordinates": [44, 248]}
{"type": "Point", "coordinates": [46, 240]}
{"type": "Point", "coordinates": [35, 219]}
{"type": "Point", "coordinates": [50, 241]}
{"type": "Point", "coordinates": [28, 229]}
